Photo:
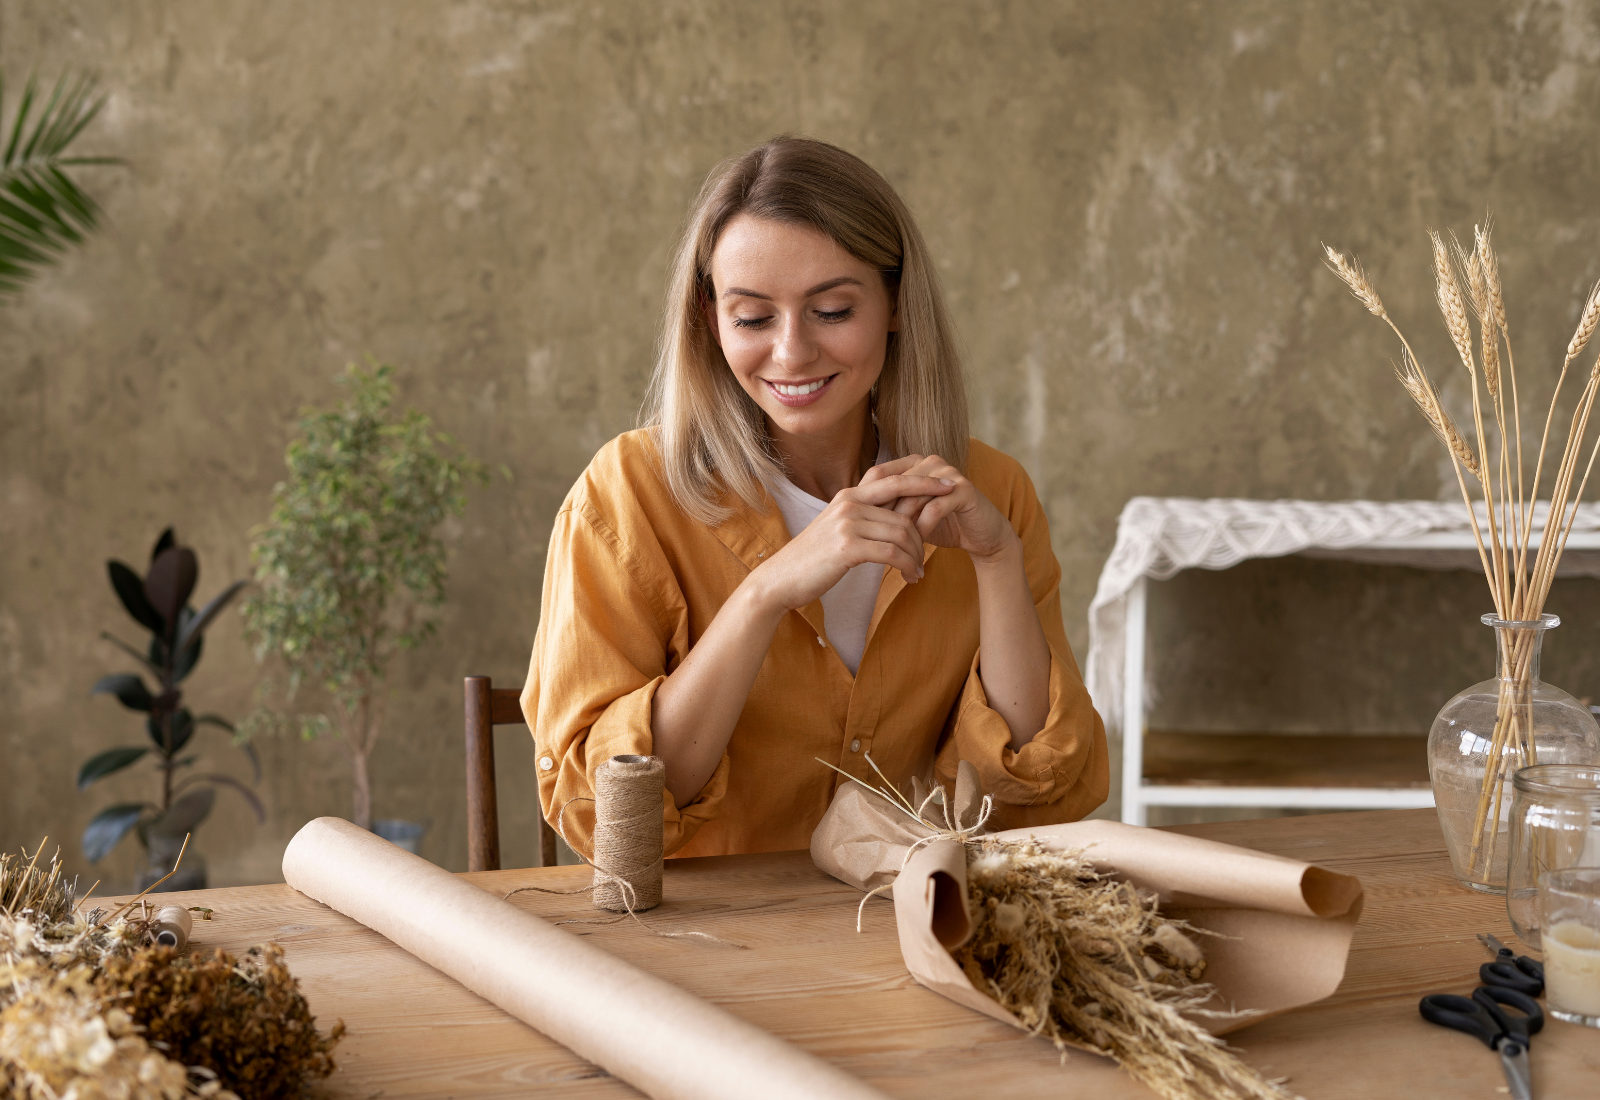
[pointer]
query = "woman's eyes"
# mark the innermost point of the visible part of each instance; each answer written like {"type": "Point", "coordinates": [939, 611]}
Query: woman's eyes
{"type": "Point", "coordinates": [827, 316]}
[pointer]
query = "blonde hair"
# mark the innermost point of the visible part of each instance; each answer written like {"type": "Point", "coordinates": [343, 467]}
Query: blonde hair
{"type": "Point", "coordinates": [712, 435]}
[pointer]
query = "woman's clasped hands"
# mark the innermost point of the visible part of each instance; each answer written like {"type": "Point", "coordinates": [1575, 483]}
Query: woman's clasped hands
{"type": "Point", "coordinates": [897, 507]}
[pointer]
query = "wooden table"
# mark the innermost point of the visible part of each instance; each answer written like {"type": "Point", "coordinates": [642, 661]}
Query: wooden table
{"type": "Point", "coordinates": [811, 979]}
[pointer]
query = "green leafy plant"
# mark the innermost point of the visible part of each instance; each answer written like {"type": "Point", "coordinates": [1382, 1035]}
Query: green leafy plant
{"type": "Point", "coordinates": [351, 560]}
{"type": "Point", "coordinates": [43, 211]}
{"type": "Point", "coordinates": [159, 602]}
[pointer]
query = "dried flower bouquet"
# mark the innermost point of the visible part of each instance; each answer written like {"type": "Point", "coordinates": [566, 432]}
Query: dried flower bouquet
{"type": "Point", "coordinates": [1468, 289]}
{"type": "Point", "coordinates": [91, 1009]}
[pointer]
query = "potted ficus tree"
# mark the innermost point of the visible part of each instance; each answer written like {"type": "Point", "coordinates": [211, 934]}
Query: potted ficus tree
{"type": "Point", "coordinates": [351, 562]}
{"type": "Point", "coordinates": [159, 602]}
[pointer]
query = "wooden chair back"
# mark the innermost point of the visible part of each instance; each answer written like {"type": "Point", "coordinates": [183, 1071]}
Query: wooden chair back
{"type": "Point", "coordinates": [488, 707]}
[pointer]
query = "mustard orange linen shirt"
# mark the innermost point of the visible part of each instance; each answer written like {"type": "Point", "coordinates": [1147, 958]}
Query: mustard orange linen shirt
{"type": "Point", "coordinates": [631, 582]}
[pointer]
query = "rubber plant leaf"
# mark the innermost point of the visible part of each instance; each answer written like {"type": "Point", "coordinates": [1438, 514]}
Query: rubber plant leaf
{"type": "Point", "coordinates": [167, 541]}
{"type": "Point", "coordinates": [229, 781]}
{"type": "Point", "coordinates": [170, 582]}
{"type": "Point", "coordinates": [192, 629]}
{"type": "Point", "coordinates": [182, 730]}
{"type": "Point", "coordinates": [108, 827]}
{"type": "Point", "coordinates": [127, 687]}
{"type": "Point", "coordinates": [130, 590]}
{"type": "Point", "coordinates": [103, 764]}
{"type": "Point", "coordinates": [187, 659]}
{"type": "Point", "coordinates": [185, 814]}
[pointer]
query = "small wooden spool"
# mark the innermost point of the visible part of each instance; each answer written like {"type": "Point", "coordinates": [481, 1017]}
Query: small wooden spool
{"type": "Point", "coordinates": [171, 926]}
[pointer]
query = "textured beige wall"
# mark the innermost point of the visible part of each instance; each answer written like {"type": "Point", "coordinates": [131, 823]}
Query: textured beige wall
{"type": "Point", "coordinates": [1125, 201]}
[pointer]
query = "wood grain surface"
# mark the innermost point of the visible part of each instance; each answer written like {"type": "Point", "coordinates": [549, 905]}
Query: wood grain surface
{"type": "Point", "coordinates": [810, 978]}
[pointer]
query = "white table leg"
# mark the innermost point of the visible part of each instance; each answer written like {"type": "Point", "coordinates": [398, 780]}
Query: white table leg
{"type": "Point", "coordinates": [1133, 807]}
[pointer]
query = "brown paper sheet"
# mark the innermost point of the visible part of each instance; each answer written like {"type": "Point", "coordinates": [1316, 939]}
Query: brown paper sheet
{"type": "Point", "coordinates": [1287, 924]}
{"type": "Point", "coordinates": [663, 1041]}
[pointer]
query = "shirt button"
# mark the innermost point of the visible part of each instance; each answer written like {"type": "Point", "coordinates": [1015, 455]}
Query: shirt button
{"type": "Point", "coordinates": [855, 746]}
{"type": "Point", "coordinates": [821, 643]}
{"type": "Point", "coordinates": [545, 763]}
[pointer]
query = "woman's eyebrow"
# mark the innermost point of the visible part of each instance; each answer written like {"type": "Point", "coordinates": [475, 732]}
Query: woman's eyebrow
{"type": "Point", "coordinates": [741, 292]}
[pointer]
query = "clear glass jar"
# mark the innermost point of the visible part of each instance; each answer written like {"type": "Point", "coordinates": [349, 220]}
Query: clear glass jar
{"type": "Point", "coordinates": [1555, 824]}
{"type": "Point", "coordinates": [1486, 734]}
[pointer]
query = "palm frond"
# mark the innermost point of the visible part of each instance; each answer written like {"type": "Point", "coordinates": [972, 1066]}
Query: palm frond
{"type": "Point", "coordinates": [43, 211]}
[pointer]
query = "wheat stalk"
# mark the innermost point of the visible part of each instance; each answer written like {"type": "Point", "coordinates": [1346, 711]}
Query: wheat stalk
{"type": "Point", "coordinates": [1444, 427]}
{"type": "Point", "coordinates": [1519, 587]}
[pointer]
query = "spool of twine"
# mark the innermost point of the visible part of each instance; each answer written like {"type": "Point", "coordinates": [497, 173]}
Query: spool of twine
{"type": "Point", "coordinates": [628, 838]}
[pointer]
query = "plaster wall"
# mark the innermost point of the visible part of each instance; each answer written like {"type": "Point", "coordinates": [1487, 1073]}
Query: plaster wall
{"type": "Point", "coordinates": [1125, 201]}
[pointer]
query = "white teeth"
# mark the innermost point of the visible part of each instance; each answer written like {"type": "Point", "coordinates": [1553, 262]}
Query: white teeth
{"type": "Point", "coordinates": [799, 391]}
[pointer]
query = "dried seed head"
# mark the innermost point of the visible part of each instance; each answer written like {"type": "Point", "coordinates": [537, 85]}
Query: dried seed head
{"type": "Point", "coordinates": [1355, 279]}
{"type": "Point", "coordinates": [1468, 265]}
{"type": "Point", "coordinates": [1009, 920]}
{"type": "Point", "coordinates": [1451, 304]}
{"type": "Point", "coordinates": [1491, 273]}
{"type": "Point", "coordinates": [1586, 323]}
{"type": "Point", "coordinates": [1176, 944]}
{"type": "Point", "coordinates": [1437, 418]}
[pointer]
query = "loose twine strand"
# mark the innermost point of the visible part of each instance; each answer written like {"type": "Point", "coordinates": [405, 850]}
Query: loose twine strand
{"type": "Point", "coordinates": [628, 845]}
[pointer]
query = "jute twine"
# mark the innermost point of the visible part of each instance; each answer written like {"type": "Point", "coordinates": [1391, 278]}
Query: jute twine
{"type": "Point", "coordinates": [628, 833]}
{"type": "Point", "coordinates": [629, 844]}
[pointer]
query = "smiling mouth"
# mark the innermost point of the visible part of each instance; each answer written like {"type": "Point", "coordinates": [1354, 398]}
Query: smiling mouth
{"type": "Point", "coordinates": [800, 390]}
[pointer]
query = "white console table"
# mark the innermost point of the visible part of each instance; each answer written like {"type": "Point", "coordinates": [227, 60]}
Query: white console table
{"type": "Point", "coordinates": [1160, 537]}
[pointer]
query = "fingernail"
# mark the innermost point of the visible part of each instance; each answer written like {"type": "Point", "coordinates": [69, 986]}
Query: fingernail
{"type": "Point", "coordinates": [945, 481]}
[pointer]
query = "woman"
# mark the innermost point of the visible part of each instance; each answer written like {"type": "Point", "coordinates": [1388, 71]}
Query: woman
{"type": "Point", "coordinates": [803, 555]}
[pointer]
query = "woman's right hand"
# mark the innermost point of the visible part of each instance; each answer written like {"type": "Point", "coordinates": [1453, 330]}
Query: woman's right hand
{"type": "Point", "coordinates": [858, 526]}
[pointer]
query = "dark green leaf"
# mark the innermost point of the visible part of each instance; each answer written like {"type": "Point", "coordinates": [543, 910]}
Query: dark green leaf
{"type": "Point", "coordinates": [187, 658]}
{"type": "Point", "coordinates": [127, 687]}
{"type": "Point", "coordinates": [229, 781]}
{"type": "Point", "coordinates": [182, 730]}
{"type": "Point", "coordinates": [103, 764]}
{"type": "Point", "coordinates": [130, 590]}
{"type": "Point", "coordinates": [130, 651]}
{"type": "Point", "coordinates": [108, 827]}
{"type": "Point", "coordinates": [169, 583]}
{"type": "Point", "coordinates": [167, 540]}
{"type": "Point", "coordinates": [42, 210]}
{"type": "Point", "coordinates": [191, 630]}
{"type": "Point", "coordinates": [185, 814]}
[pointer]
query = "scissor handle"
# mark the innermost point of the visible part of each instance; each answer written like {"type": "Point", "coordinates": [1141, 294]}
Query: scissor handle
{"type": "Point", "coordinates": [1495, 999]}
{"type": "Point", "coordinates": [1509, 974]}
{"type": "Point", "coordinates": [1462, 1014]}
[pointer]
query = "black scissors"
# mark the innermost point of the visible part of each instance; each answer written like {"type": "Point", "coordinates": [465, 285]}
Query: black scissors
{"type": "Point", "coordinates": [1484, 1016]}
{"type": "Point", "coordinates": [1510, 970]}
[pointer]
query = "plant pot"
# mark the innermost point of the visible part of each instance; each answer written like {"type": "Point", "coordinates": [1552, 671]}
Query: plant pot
{"type": "Point", "coordinates": [163, 852]}
{"type": "Point", "coordinates": [1485, 734]}
{"type": "Point", "coordinates": [405, 834]}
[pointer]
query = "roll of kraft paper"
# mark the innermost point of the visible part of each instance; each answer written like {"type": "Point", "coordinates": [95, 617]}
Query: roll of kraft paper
{"type": "Point", "coordinates": [665, 1042]}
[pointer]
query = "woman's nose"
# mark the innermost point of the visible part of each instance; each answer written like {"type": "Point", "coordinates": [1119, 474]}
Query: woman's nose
{"type": "Point", "coordinates": [794, 347]}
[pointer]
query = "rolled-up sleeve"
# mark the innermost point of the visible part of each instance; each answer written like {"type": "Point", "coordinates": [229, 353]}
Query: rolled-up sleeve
{"type": "Point", "coordinates": [1064, 772]}
{"type": "Point", "coordinates": [612, 625]}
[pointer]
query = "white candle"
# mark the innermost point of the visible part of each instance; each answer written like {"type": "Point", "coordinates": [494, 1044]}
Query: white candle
{"type": "Point", "coordinates": [1572, 967]}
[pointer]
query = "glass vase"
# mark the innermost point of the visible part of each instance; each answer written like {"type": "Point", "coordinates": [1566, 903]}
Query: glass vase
{"type": "Point", "coordinates": [1489, 731]}
{"type": "Point", "coordinates": [1555, 824]}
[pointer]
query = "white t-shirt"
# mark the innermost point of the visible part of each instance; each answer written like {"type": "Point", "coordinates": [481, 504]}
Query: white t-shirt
{"type": "Point", "coordinates": [847, 606]}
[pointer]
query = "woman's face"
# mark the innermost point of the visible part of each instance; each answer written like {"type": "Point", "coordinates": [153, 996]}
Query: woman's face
{"type": "Point", "coordinates": [804, 324]}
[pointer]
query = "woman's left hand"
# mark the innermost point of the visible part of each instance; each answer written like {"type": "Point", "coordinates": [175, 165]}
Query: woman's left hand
{"type": "Point", "coordinates": [962, 518]}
